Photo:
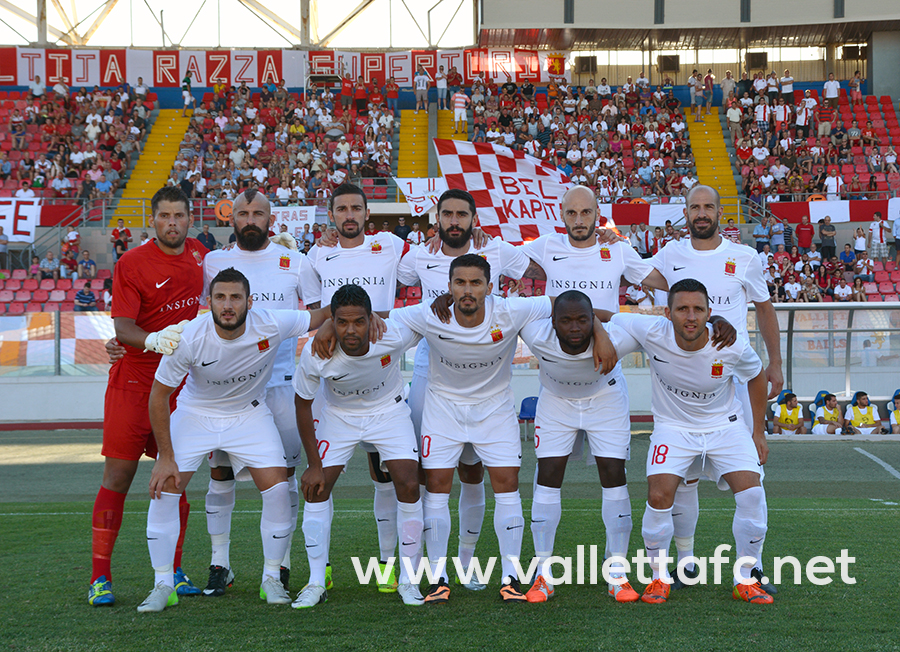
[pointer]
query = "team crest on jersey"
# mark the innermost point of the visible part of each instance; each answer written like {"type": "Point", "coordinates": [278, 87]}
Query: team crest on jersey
{"type": "Point", "coordinates": [496, 333]}
{"type": "Point", "coordinates": [730, 267]}
{"type": "Point", "coordinates": [284, 262]}
{"type": "Point", "coordinates": [717, 368]}
{"type": "Point", "coordinates": [263, 344]}
{"type": "Point", "coordinates": [483, 256]}
{"type": "Point", "coordinates": [198, 258]}
{"type": "Point", "coordinates": [385, 360]}
{"type": "Point", "coordinates": [605, 254]}
{"type": "Point", "coordinates": [376, 248]}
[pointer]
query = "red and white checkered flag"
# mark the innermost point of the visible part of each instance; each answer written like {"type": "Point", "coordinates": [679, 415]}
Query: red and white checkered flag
{"type": "Point", "coordinates": [517, 196]}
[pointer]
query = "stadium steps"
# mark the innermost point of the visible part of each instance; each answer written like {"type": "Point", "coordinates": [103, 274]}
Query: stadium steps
{"type": "Point", "coordinates": [154, 165]}
{"type": "Point", "coordinates": [412, 160]}
{"type": "Point", "coordinates": [713, 162]}
{"type": "Point", "coordinates": [445, 127]}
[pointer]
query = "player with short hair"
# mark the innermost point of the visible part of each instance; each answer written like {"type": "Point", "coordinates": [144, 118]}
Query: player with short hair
{"type": "Point", "coordinates": [696, 412]}
{"type": "Point", "coordinates": [274, 273]}
{"type": "Point", "coordinates": [469, 400]}
{"type": "Point", "coordinates": [788, 416]}
{"type": "Point", "coordinates": [861, 416]}
{"type": "Point", "coordinates": [227, 356]}
{"type": "Point", "coordinates": [157, 291]}
{"type": "Point", "coordinates": [369, 261]}
{"type": "Point", "coordinates": [828, 419]}
{"type": "Point", "coordinates": [733, 276]}
{"type": "Point", "coordinates": [363, 401]}
{"type": "Point", "coordinates": [576, 261]}
{"type": "Point", "coordinates": [430, 270]}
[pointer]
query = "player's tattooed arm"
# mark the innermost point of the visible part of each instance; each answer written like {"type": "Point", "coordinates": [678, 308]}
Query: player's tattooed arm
{"type": "Point", "coordinates": [312, 482]}
{"type": "Point", "coordinates": [535, 271]}
{"type": "Point", "coordinates": [315, 305]}
{"type": "Point", "coordinates": [757, 390]}
{"type": "Point", "coordinates": [165, 476]}
{"type": "Point", "coordinates": [768, 326]}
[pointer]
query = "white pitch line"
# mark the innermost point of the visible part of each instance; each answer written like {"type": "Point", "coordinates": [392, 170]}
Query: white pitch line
{"type": "Point", "coordinates": [357, 512]}
{"type": "Point", "coordinates": [887, 467]}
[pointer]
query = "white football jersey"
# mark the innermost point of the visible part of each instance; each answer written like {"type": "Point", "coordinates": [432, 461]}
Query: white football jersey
{"type": "Point", "coordinates": [562, 374]}
{"type": "Point", "coordinates": [691, 390]}
{"type": "Point", "coordinates": [226, 377]}
{"type": "Point", "coordinates": [596, 270]}
{"type": "Point", "coordinates": [471, 365]}
{"type": "Point", "coordinates": [274, 275]}
{"type": "Point", "coordinates": [732, 274]}
{"type": "Point", "coordinates": [362, 384]}
{"type": "Point", "coordinates": [372, 266]}
{"type": "Point", "coordinates": [432, 272]}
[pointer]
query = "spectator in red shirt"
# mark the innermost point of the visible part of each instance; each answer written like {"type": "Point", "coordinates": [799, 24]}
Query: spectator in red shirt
{"type": "Point", "coordinates": [392, 92]}
{"type": "Point", "coordinates": [805, 232]}
{"type": "Point", "coordinates": [370, 229]}
{"type": "Point", "coordinates": [454, 80]}
{"type": "Point", "coordinates": [346, 92]}
{"type": "Point", "coordinates": [731, 232]}
{"type": "Point", "coordinates": [361, 97]}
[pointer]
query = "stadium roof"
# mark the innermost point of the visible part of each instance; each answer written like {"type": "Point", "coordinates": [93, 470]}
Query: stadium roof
{"type": "Point", "coordinates": [705, 38]}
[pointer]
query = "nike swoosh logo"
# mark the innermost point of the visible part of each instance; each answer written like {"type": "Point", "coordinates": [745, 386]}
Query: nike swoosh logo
{"type": "Point", "coordinates": [676, 269]}
{"type": "Point", "coordinates": [555, 258]}
{"type": "Point", "coordinates": [275, 536]}
{"type": "Point", "coordinates": [755, 542]}
{"type": "Point", "coordinates": [543, 520]}
{"type": "Point", "coordinates": [678, 514]}
{"type": "Point", "coordinates": [312, 545]}
{"type": "Point", "coordinates": [327, 258]}
{"type": "Point", "coordinates": [658, 360]}
{"type": "Point", "coordinates": [415, 450]}
{"type": "Point", "coordinates": [381, 520]}
{"type": "Point", "coordinates": [624, 515]}
{"type": "Point", "coordinates": [444, 337]}
{"type": "Point", "coordinates": [425, 529]}
{"type": "Point", "coordinates": [431, 266]}
{"type": "Point", "coordinates": [152, 539]}
{"type": "Point", "coordinates": [408, 543]}
{"type": "Point", "coordinates": [209, 512]}
{"type": "Point", "coordinates": [341, 376]}
{"type": "Point", "coordinates": [470, 532]}
{"type": "Point", "coordinates": [159, 285]}
{"type": "Point", "coordinates": [514, 527]}
{"type": "Point", "coordinates": [206, 364]}
{"type": "Point", "coordinates": [547, 359]}
{"type": "Point", "coordinates": [295, 457]}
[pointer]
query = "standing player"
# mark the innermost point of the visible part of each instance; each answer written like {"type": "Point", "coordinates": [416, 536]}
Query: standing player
{"type": "Point", "coordinates": [274, 274]}
{"type": "Point", "coordinates": [227, 356]}
{"type": "Point", "coordinates": [733, 276]}
{"type": "Point", "coordinates": [469, 400]}
{"type": "Point", "coordinates": [369, 261]}
{"type": "Point", "coordinates": [696, 412]}
{"type": "Point", "coordinates": [575, 261]}
{"type": "Point", "coordinates": [363, 401]}
{"type": "Point", "coordinates": [456, 217]}
{"type": "Point", "coordinates": [156, 286]}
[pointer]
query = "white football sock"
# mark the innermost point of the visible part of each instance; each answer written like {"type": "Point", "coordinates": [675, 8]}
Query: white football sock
{"type": "Point", "coordinates": [275, 528]}
{"type": "Point", "coordinates": [386, 518]}
{"type": "Point", "coordinates": [546, 512]}
{"type": "Point", "coordinates": [410, 520]}
{"type": "Point", "coordinates": [749, 525]}
{"type": "Point", "coordinates": [219, 506]}
{"type": "Point", "coordinates": [471, 518]}
{"type": "Point", "coordinates": [163, 526]}
{"type": "Point", "coordinates": [436, 532]}
{"type": "Point", "coordinates": [765, 506]}
{"type": "Point", "coordinates": [294, 496]}
{"type": "Point", "coordinates": [616, 512]}
{"type": "Point", "coordinates": [657, 531]}
{"type": "Point", "coordinates": [509, 524]}
{"type": "Point", "coordinates": [685, 513]}
{"type": "Point", "coordinates": [317, 534]}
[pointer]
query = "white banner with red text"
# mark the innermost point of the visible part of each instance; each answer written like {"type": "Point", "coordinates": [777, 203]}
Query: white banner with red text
{"type": "Point", "coordinates": [421, 194]}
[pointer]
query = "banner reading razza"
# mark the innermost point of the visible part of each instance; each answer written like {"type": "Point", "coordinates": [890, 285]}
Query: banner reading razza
{"type": "Point", "coordinates": [19, 218]}
{"type": "Point", "coordinates": [421, 194]}
{"type": "Point", "coordinates": [294, 217]}
{"type": "Point", "coordinates": [517, 196]}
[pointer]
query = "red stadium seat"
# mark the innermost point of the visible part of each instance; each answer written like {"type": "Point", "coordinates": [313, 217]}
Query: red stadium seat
{"type": "Point", "coordinates": [870, 288]}
{"type": "Point", "coordinates": [22, 296]}
{"type": "Point", "coordinates": [51, 306]}
{"type": "Point", "coordinates": [15, 308]}
{"type": "Point", "coordinates": [13, 284]}
{"type": "Point", "coordinates": [64, 284]}
{"type": "Point", "coordinates": [886, 287]}
{"type": "Point", "coordinates": [57, 296]}
{"type": "Point", "coordinates": [30, 284]}
{"type": "Point", "coordinates": [40, 296]}
{"type": "Point", "coordinates": [6, 296]}
{"type": "Point", "coordinates": [47, 284]}
{"type": "Point", "coordinates": [34, 307]}
{"type": "Point", "coordinates": [67, 306]}
{"type": "Point", "coordinates": [79, 283]}
{"type": "Point", "coordinates": [881, 276]}
{"type": "Point", "coordinates": [104, 274]}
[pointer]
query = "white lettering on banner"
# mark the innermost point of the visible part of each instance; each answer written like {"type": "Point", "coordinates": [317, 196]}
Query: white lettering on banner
{"type": "Point", "coordinates": [165, 64]}
{"type": "Point", "coordinates": [242, 76]}
{"type": "Point", "coordinates": [221, 60]}
{"type": "Point", "coordinates": [113, 75]}
{"type": "Point", "coordinates": [269, 71]}
{"type": "Point", "coordinates": [399, 67]}
{"type": "Point", "coordinates": [19, 218]}
{"type": "Point", "coordinates": [501, 62]}
{"type": "Point", "coordinates": [82, 74]}
{"type": "Point", "coordinates": [421, 194]}
{"type": "Point", "coordinates": [192, 65]}
{"type": "Point", "coordinates": [32, 60]}
{"type": "Point", "coordinates": [55, 63]}
{"type": "Point", "coordinates": [294, 217]}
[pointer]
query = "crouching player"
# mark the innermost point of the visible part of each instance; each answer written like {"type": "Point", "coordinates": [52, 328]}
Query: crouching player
{"type": "Point", "coordinates": [364, 401]}
{"type": "Point", "coordinates": [227, 356]}
{"type": "Point", "coordinates": [696, 412]}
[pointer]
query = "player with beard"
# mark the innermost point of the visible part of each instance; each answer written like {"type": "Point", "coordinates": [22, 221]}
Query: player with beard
{"type": "Point", "coordinates": [421, 266]}
{"type": "Point", "coordinates": [228, 356]}
{"type": "Point", "coordinates": [156, 286]}
{"type": "Point", "coordinates": [733, 275]}
{"type": "Point", "coordinates": [369, 261]}
{"type": "Point", "coordinates": [274, 274]}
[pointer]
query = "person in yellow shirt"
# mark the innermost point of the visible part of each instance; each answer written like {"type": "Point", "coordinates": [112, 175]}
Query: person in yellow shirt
{"type": "Point", "coordinates": [861, 417]}
{"type": "Point", "coordinates": [828, 417]}
{"type": "Point", "coordinates": [788, 417]}
{"type": "Point", "coordinates": [895, 414]}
